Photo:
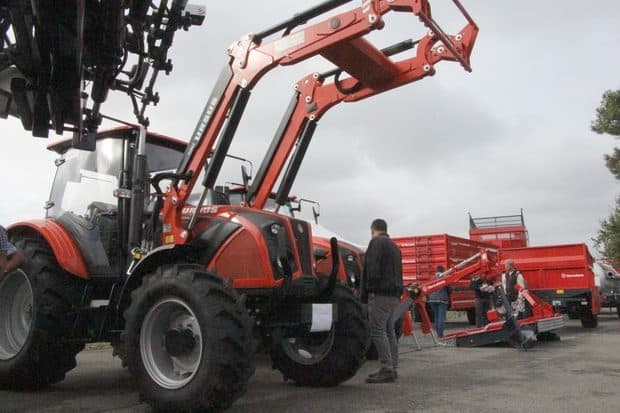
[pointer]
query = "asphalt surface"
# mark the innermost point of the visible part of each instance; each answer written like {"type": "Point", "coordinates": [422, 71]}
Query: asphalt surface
{"type": "Point", "coordinates": [579, 373]}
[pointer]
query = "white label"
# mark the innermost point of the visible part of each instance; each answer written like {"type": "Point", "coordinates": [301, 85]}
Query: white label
{"type": "Point", "coordinates": [571, 275]}
{"type": "Point", "coordinates": [322, 317]}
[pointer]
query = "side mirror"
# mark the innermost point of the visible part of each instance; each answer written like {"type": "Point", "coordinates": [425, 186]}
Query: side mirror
{"type": "Point", "coordinates": [316, 213]}
{"type": "Point", "coordinates": [245, 176]}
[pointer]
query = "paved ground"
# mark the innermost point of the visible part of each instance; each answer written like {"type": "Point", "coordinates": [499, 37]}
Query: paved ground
{"type": "Point", "coordinates": [580, 373]}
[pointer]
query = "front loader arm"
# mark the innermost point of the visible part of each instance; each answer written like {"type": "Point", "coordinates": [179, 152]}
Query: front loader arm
{"type": "Point", "coordinates": [338, 38]}
{"type": "Point", "coordinates": [314, 96]}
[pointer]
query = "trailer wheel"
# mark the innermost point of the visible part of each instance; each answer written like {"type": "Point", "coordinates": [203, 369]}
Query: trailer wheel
{"type": "Point", "coordinates": [188, 340]}
{"type": "Point", "coordinates": [471, 316]}
{"type": "Point", "coordinates": [326, 359]}
{"type": "Point", "coordinates": [36, 319]}
{"type": "Point", "coordinates": [589, 320]}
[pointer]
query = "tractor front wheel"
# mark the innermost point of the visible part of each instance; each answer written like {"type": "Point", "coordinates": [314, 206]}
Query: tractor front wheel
{"type": "Point", "coordinates": [330, 358]}
{"type": "Point", "coordinates": [37, 316]}
{"type": "Point", "coordinates": [188, 340]}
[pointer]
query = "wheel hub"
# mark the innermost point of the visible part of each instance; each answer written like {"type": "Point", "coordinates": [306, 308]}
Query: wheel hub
{"type": "Point", "coordinates": [16, 313]}
{"type": "Point", "coordinates": [171, 343]}
{"type": "Point", "coordinates": [179, 342]}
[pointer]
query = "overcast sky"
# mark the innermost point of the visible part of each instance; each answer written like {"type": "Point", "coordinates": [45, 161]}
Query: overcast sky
{"type": "Point", "coordinates": [513, 134]}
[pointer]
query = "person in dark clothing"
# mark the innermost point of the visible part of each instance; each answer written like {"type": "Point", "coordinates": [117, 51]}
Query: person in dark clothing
{"type": "Point", "coordinates": [10, 257]}
{"type": "Point", "coordinates": [510, 280]}
{"type": "Point", "coordinates": [439, 301]}
{"type": "Point", "coordinates": [381, 288]}
{"type": "Point", "coordinates": [484, 292]}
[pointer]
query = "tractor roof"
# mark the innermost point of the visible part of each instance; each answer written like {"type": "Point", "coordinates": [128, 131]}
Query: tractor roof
{"type": "Point", "coordinates": [64, 145]}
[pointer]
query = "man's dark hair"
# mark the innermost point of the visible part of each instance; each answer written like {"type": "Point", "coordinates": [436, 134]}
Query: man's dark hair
{"type": "Point", "coordinates": [440, 268]}
{"type": "Point", "coordinates": [379, 225]}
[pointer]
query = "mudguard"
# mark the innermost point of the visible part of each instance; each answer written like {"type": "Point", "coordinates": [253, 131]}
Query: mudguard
{"type": "Point", "coordinates": [65, 249]}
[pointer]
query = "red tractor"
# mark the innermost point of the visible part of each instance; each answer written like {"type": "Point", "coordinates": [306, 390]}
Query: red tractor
{"type": "Point", "coordinates": [139, 249]}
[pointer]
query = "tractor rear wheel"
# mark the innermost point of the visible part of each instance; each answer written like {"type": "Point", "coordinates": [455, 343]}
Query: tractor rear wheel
{"type": "Point", "coordinates": [326, 359]}
{"type": "Point", "coordinates": [37, 315]}
{"type": "Point", "coordinates": [188, 340]}
{"type": "Point", "coordinates": [589, 320]}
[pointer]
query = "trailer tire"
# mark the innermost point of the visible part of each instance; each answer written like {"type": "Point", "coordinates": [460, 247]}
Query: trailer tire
{"type": "Point", "coordinates": [344, 356]}
{"type": "Point", "coordinates": [207, 356]}
{"type": "Point", "coordinates": [471, 316]}
{"type": "Point", "coordinates": [589, 320]}
{"type": "Point", "coordinates": [34, 347]}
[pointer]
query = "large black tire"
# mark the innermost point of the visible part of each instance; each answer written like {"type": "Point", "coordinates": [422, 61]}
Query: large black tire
{"type": "Point", "coordinates": [47, 352]}
{"type": "Point", "coordinates": [471, 316]}
{"type": "Point", "coordinates": [220, 330]}
{"type": "Point", "coordinates": [341, 360]}
{"type": "Point", "coordinates": [589, 320]}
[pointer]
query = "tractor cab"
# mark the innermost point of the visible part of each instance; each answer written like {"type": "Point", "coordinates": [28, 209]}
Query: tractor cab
{"type": "Point", "coordinates": [88, 198]}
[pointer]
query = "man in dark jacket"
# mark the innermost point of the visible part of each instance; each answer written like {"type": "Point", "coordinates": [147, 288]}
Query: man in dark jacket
{"type": "Point", "coordinates": [484, 291]}
{"type": "Point", "coordinates": [382, 285]}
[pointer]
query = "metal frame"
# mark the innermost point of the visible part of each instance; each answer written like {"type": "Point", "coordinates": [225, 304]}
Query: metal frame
{"type": "Point", "coordinates": [338, 38]}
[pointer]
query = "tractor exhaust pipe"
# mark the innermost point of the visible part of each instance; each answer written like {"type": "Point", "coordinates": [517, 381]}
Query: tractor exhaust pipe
{"type": "Point", "coordinates": [138, 186]}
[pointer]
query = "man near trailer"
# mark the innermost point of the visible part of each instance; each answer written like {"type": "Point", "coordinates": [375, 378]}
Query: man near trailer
{"type": "Point", "coordinates": [484, 292]}
{"type": "Point", "coordinates": [10, 257]}
{"type": "Point", "coordinates": [382, 286]}
{"type": "Point", "coordinates": [510, 280]}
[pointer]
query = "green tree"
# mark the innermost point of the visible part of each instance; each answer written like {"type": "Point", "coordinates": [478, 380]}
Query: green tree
{"type": "Point", "coordinates": [607, 121]}
{"type": "Point", "coordinates": [608, 238]}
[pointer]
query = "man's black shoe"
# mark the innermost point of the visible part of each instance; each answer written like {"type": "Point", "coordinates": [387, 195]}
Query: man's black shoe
{"type": "Point", "coordinates": [382, 376]}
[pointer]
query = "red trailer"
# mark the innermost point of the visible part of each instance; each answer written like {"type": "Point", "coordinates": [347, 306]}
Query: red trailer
{"type": "Point", "coordinates": [507, 231]}
{"type": "Point", "coordinates": [563, 276]}
{"type": "Point", "coordinates": [422, 254]}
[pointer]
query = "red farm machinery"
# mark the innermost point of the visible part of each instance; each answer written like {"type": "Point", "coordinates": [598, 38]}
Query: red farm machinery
{"type": "Point", "coordinates": [562, 275]}
{"type": "Point", "coordinates": [139, 249]}
{"type": "Point", "coordinates": [504, 326]}
{"type": "Point", "coordinates": [422, 254]}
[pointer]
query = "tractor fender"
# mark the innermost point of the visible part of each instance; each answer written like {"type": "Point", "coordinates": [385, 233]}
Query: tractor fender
{"type": "Point", "coordinates": [200, 251]}
{"type": "Point", "coordinates": [165, 254]}
{"type": "Point", "coordinates": [65, 250]}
